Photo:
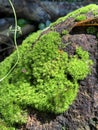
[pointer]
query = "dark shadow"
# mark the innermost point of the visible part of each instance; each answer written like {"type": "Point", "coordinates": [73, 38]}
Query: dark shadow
{"type": "Point", "coordinates": [84, 30]}
{"type": "Point", "coordinates": [41, 116]}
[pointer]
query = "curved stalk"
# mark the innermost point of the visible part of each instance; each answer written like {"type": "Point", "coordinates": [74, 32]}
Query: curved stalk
{"type": "Point", "coordinates": [15, 42]}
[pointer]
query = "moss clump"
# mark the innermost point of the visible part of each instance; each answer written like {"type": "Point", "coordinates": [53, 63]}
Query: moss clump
{"type": "Point", "coordinates": [3, 126]}
{"type": "Point", "coordinates": [46, 78]}
{"type": "Point", "coordinates": [80, 17]}
{"type": "Point", "coordinates": [77, 67]}
{"type": "Point", "coordinates": [64, 32]}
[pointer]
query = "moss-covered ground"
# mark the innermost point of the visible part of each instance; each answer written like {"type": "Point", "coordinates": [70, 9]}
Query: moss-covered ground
{"type": "Point", "coordinates": [45, 78]}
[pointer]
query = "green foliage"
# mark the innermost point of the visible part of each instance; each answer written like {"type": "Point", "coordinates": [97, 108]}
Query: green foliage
{"type": "Point", "coordinates": [3, 126]}
{"type": "Point", "coordinates": [64, 32]}
{"type": "Point", "coordinates": [10, 111]}
{"type": "Point", "coordinates": [80, 17]}
{"type": "Point", "coordinates": [45, 78]}
{"type": "Point", "coordinates": [77, 67]}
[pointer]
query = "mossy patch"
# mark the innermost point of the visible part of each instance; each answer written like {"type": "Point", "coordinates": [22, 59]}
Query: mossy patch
{"type": "Point", "coordinates": [41, 78]}
{"type": "Point", "coordinates": [45, 78]}
{"type": "Point", "coordinates": [64, 32]}
{"type": "Point", "coordinates": [80, 17]}
{"type": "Point", "coordinates": [92, 8]}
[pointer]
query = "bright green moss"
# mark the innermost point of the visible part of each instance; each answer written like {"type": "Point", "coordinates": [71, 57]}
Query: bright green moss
{"type": "Point", "coordinates": [81, 11]}
{"type": "Point", "coordinates": [77, 68]}
{"type": "Point", "coordinates": [95, 13]}
{"type": "Point", "coordinates": [46, 78]}
{"type": "Point", "coordinates": [80, 17]}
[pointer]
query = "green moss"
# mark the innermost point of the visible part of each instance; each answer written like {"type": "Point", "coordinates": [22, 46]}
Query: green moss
{"type": "Point", "coordinates": [95, 13]}
{"type": "Point", "coordinates": [41, 78]}
{"type": "Point", "coordinates": [80, 17]}
{"type": "Point", "coordinates": [9, 62]}
{"type": "Point", "coordinates": [64, 32]}
{"type": "Point", "coordinates": [46, 78]}
{"type": "Point", "coordinates": [81, 11]}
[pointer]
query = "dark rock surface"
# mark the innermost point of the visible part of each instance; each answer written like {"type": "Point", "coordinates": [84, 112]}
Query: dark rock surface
{"type": "Point", "coordinates": [38, 10]}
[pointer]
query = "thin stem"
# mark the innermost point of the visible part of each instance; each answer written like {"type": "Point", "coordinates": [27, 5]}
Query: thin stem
{"type": "Point", "coordinates": [15, 42]}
